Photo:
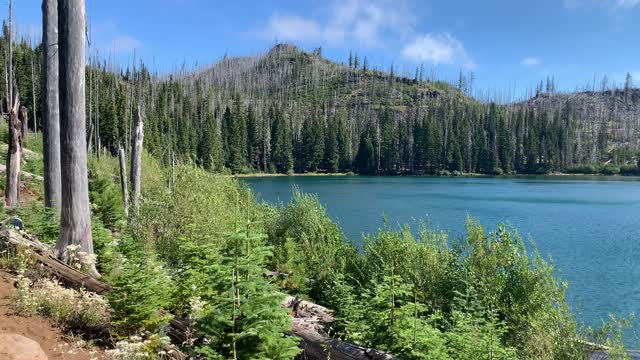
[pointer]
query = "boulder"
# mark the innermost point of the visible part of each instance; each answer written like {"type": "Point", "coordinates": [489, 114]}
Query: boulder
{"type": "Point", "coordinates": [18, 347]}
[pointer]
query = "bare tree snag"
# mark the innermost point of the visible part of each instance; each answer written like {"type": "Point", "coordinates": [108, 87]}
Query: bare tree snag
{"type": "Point", "coordinates": [33, 92]}
{"type": "Point", "coordinates": [123, 180]}
{"type": "Point", "coordinates": [50, 105]}
{"type": "Point", "coordinates": [10, 65]}
{"type": "Point", "coordinates": [136, 161]}
{"type": "Point", "coordinates": [75, 219]}
{"type": "Point", "coordinates": [12, 188]}
{"type": "Point", "coordinates": [24, 122]}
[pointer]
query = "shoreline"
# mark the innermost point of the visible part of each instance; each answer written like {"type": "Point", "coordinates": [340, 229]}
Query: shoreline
{"type": "Point", "coordinates": [554, 174]}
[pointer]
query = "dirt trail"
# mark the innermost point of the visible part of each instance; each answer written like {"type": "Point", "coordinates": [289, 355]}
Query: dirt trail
{"type": "Point", "coordinates": [51, 339]}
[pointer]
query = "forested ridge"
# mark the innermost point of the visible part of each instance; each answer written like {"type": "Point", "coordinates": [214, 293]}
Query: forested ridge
{"type": "Point", "coordinates": [291, 111]}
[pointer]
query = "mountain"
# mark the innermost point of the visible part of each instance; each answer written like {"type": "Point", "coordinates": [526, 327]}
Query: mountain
{"type": "Point", "coordinates": [289, 110]}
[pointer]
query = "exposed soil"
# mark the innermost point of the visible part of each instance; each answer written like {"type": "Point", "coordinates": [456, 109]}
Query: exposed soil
{"type": "Point", "coordinates": [55, 343]}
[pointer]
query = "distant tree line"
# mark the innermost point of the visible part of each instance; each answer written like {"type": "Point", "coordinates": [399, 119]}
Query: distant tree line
{"type": "Point", "coordinates": [290, 111]}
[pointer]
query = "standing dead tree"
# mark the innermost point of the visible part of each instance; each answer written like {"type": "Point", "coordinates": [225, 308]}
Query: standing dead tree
{"type": "Point", "coordinates": [75, 219]}
{"type": "Point", "coordinates": [33, 92]}
{"type": "Point", "coordinates": [24, 122]}
{"type": "Point", "coordinates": [136, 161]}
{"type": "Point", "coordinates": [12, 188]}
{"type": "Point", "coordinates": [50, 105]}
{"type": "Point", "coordinates": [123, 180]}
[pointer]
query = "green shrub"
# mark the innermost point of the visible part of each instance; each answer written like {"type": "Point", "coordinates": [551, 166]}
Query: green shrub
{"type": "Point", "coordinates": [610, 169]}
{"type": "Point", "coordinates": [42, 222]}
{"type": "Point", "coordinates": [319, 242]}
{"type": "Point", "coordinates": [105, 198]}
{"type": "Point", "coordinates": [240, 310]}
{"type": "Point", "coordinates": [630, 170]}
{"type": "Point", "coordinates": [140, 297]}
{"type": "Point", "coordinates": [582, 169]}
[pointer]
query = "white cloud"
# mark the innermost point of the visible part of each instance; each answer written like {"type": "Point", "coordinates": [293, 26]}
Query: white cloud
{"type": "Point", "coordinates": [440, 48]}
{"type": "Point", "coordinates": [125, 44]}
{"type": "Point", "coordinates": [108, 38]}
{"type": "Point", "coordinates": [530, 61]}
{"type": "Point", "coordinates": [367, 23]}
{"type": "Point", "coordinates": [294, 28]}
{"type": "Point", "coordinates": [612, 5]}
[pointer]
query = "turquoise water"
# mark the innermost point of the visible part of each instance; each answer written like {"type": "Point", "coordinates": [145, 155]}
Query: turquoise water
{"type": "Point", "coordinates": [590, 227]}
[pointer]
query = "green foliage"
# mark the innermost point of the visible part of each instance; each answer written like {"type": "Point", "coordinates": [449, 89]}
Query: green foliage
{"type": "Point", "coordinates": [242, 316]}
{"type": "Point", "coordinates": [41, 221]}
{"type": "Point", "coordinates": [105, 197]}
{"type": "Point", "coordinates": [319, 241]}
{"type": "Point", "coordinates": [141, 295]}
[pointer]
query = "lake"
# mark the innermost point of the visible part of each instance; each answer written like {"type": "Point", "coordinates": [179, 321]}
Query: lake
{"type": "Point", "coordinates": [589, 226]}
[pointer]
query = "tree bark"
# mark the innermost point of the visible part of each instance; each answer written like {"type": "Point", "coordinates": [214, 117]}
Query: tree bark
{"type": "Point", "coordinates": [123, 180]}
{"type": "Point", "coordinates": [10, 65]}
{"type": "Point", "coordinates": [14, 152]}
{"type": "Point", "coordinates": [33, 93]}
{"type": "Point", "coordinates": [24, 122]}
{"type": "Point", "coordinates": [75, 220]}
{"type": "Point", "coordinates": [50, 105]}
{"type": "Point", "coordinates": [136, 161]}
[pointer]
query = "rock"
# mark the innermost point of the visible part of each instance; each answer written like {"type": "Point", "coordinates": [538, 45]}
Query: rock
{"type": "Point", "coordinates": [17, 223]}
{"type": "Point", "coordinates": [18, 347]}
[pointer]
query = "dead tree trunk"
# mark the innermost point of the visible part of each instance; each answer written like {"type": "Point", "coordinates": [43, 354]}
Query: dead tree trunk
{"type": "Point", "coordinates": [50, 109]}
{"type": "Point", "coordinates": [33, 93]}
{"type": "Point", "coordinates": [10, 65]}
{"type": "Point", "coordinates": [123, 180]}
{"type": "Point", "coordinates": [136, 161]}
{"type": "Point", "coordinates": [75, 219]}
{"type": "Point", "coordinates": [24, 122]}
{"type": "Point", "coordinates": [12, 188]}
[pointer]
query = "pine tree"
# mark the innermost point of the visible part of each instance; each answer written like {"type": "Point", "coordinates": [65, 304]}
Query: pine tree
{"type": "Point", "coordinates": [332, 155]}
{"type": "Point", "coordinates": [243, 317]}
{"type": "Point", "coordinates": [365, 160]}
{"type": "Point", "coordinates": [253, 143]}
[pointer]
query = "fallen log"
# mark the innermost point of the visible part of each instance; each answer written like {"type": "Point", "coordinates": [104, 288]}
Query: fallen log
{"type": "Point", "coordinates": [24, 174]}
{"type": "Point", "coordinates": [66, 274]}
{"type": "Point", "coordinates": [309, 320]}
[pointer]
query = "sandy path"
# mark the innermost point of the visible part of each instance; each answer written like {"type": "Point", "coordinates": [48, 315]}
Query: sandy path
{"type": "Point", "coordinates": [51, 339]}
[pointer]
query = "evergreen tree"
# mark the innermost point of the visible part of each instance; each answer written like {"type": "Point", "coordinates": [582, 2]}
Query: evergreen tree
{"type": "Point", "coordinates": [242, 315]}
{"type": "Point", "coordinates": [365, 160]}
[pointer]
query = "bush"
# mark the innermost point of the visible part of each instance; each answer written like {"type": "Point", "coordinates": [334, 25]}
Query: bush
{"type": "Point", "coordinates": [105, 197]}
{"type": "Point", "coordinates": [75, 310]}
{"type": "Point", "coordinates": [41, 221]}
{"type": "Point", "coordinates": [239, 310]}
{"type": "Point", "coordinates": [610, 169]}
{"type": "Point", "coordinates": [140, 297]}
{"type": "Point", "coordinates": [629, 170]}
{"type": "Point", "coordinates": [135, 348]}
{"type": "Point", "coordinates": [582, 169]}
{"type": "Point", "coordinates": [319, 242]}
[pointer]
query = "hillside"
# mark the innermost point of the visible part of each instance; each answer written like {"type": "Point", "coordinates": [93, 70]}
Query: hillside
{"type": "Point", "coordinates": [615, 113]}
{"type": "Point", "coordinates": [288, 110]}
{"type": "Point", "coordinates": [333, 117]}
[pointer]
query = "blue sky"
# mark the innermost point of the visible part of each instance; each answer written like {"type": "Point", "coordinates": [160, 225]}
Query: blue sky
{"type": "Point", "coordinates": [509, 45]}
